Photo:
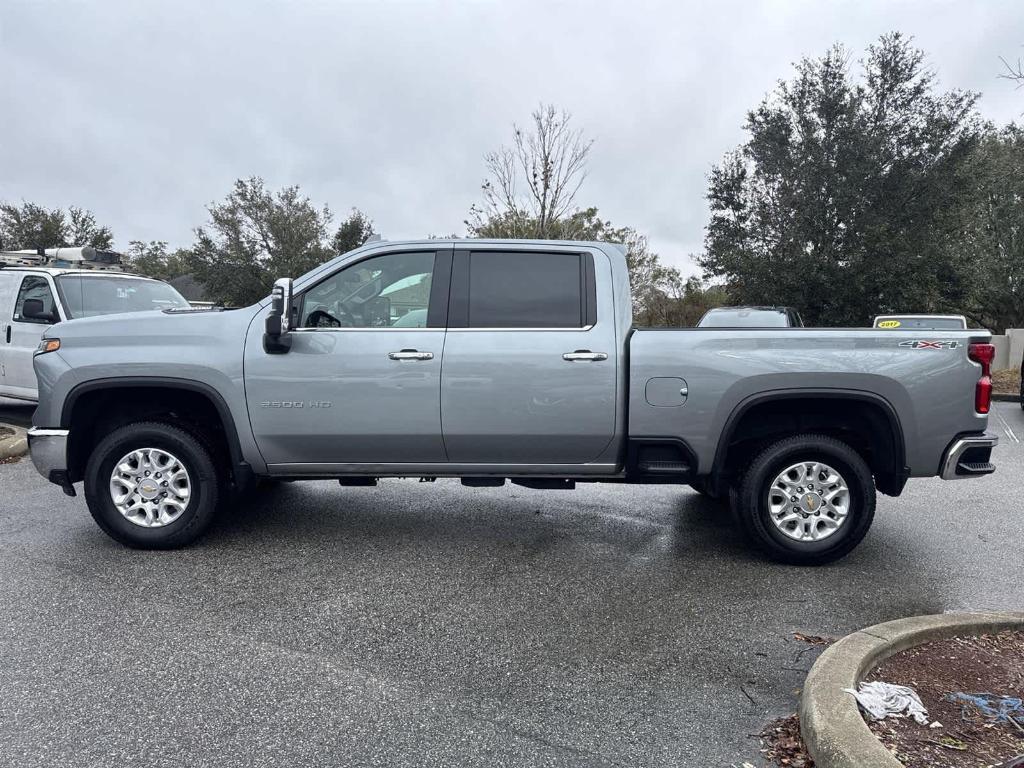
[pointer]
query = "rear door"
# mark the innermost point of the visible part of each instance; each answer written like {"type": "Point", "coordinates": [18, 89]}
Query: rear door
{"type": "Point", "coordinates": [22, 336]}
{"type": "Point", "coordinates": [529, 371]}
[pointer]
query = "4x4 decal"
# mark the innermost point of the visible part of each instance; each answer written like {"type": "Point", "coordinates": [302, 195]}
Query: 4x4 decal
{"type": "Point", "coordinates": [918, 344]}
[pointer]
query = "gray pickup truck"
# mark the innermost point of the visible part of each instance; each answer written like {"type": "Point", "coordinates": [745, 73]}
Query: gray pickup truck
{"type": "Point", "coordinates": [492, 361]}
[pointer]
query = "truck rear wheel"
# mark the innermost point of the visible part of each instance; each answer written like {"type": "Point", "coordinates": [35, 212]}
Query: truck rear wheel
{"type": "Point", "coordinates": [152, 486]}
{"type": "Point", "coordinates": [807, 500]}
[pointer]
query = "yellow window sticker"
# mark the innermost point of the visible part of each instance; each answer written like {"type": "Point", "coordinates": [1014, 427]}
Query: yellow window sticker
{"type": "Point", "coordinates": [889, 324]}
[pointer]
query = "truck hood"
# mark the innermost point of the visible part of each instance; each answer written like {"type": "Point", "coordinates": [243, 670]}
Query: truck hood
{"type": "Point", "coordinates": [156, 325]}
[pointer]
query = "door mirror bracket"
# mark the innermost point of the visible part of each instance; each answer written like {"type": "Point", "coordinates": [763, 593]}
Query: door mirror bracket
{"type": "Point", "coordinates": [276, 338]}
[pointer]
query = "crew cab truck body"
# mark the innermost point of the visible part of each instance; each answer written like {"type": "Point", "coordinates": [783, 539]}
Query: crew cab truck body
{"type": "Point", "coordinates": [494, 360]}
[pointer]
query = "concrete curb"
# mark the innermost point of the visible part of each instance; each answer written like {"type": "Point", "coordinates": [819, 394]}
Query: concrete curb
{"type": "Point", "coordinates": [832, 727]}
{"type": "Point", "coordinates": [1004, 398]}
{"type": "Point", "coordinates": [13, 445]}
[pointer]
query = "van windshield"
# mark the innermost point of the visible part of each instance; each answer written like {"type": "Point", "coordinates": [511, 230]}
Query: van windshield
{"type": "Point", "coordinates": [92, 295]}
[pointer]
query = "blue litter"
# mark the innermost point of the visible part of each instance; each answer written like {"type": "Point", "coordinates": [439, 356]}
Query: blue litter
{"type": "Point", "coordinates": [999, 709]}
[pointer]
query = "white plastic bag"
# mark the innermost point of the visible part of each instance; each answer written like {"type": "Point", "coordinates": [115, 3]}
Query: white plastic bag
{"type": "Point", "coordinates": [880, 700]}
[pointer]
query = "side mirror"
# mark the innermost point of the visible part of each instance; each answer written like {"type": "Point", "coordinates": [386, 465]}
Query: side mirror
{"type": "Point", "coordinates": [276, 340]}
{"type": "Point", "coordinates": [33, 309]}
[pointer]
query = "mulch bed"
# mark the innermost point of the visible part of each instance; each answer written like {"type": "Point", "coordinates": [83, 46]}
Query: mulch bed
{"type": "Point", "coordinates": [1006, 382]}
{"type": "Point", "coordinates": [991, 664]}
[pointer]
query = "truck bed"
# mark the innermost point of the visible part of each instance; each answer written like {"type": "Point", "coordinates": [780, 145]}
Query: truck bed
{"type": "Point", "coordinates": [927, 386]}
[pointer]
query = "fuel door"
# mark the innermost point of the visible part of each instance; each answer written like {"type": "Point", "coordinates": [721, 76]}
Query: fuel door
{"type": "Point", "coordinates": [666, 391]}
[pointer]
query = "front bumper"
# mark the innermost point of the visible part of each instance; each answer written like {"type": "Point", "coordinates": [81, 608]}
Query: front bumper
{"type": "Point", "coordinates": [49, 449]}
{"type": "Point", "coordinates": [969, 456]}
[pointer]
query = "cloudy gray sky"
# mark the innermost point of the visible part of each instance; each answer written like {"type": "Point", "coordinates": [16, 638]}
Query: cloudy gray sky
{"type": "Point", "coordinates": [146, 112]}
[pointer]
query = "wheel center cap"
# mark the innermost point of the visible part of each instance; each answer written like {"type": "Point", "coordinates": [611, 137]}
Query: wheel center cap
{"type": "Point", "coordinates": [148, 489]}
{"type": "Point", "coordinates": [811, 502]}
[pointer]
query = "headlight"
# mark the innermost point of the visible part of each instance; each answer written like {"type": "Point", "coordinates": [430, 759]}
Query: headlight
{"type": "Point", "coordinates": [48, 345]}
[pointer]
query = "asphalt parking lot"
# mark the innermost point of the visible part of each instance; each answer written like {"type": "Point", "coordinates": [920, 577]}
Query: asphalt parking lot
{"type": "Point", "coordinates": [16, 412]}
{"type": "Point", "coordinates": [417, 624]}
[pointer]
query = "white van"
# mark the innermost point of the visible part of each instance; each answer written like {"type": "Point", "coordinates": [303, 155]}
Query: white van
{"type": "Point", "coordinates": [38, 289]}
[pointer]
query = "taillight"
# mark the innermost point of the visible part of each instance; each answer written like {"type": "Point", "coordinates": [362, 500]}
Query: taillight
{"type": "Point", "coordinates": [983, 354]}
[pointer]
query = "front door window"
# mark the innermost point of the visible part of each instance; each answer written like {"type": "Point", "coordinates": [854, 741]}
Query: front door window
{"type": "Point", "coordinates": [390, 291]}
{"type": "Point", "coordinates": [35, 287]}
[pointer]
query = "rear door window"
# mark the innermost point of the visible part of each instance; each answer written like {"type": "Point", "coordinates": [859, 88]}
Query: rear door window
{"type": "Point", "coordinates": [526, 290]}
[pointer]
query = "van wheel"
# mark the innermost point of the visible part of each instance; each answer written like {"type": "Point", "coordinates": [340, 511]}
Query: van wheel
{"type": "Point", "coordinates": [152, 486]}
{"type": "Point", "coordinates": [807, 500]}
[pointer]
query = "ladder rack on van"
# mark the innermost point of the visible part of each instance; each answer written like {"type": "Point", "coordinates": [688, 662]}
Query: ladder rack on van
{"type": "Point", "coordinates": [63, 258]}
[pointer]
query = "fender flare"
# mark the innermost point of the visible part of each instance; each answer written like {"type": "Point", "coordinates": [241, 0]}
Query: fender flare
{"type": "Point", "coordinates": [167, 382]}
{"type": "Point", "coordinates": [741, 409]}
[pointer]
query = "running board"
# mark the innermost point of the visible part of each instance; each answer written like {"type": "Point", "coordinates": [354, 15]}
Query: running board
{"type": "Point", "coordinates": [664, 467]}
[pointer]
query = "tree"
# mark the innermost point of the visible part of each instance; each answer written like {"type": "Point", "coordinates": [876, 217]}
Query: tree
{"type": "Point", "coordinates": [531, 193]}
{"type": "Point", "coordinates": [255, 236]}
{"type": "Point", "coordinates": [844, 200]}
{"type": "Point", "coordinates": [682, 303]}
{"type": "Point", "coordinates": [532, 185]}
{"type": "Point", "coordinates": [992, 246]}
{"type": "Point", "coordinates": [353, 232]}
{"type": "Point", "coordinates": [33, 226]}
{"type": "Point", "coordinates": [1014, 71]}
{"type": "Point", "coordinates": [154, 260]}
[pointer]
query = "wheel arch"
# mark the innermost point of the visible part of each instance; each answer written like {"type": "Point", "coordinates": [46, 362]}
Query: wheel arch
{"type": "Point", "coordinates": [170, 392]}
{"type": "Point", "coordinates": [880, 434]}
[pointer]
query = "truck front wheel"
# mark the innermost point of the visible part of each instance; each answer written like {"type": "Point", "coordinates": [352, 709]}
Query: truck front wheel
{"type": "Point", "coordinates": [152, 486]}
{"type": "Point", "coordinates": [807, 500]}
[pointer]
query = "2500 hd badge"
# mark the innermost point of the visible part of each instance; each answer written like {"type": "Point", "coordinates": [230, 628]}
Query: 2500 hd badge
{"type": "Point", "coordinates": [295, 404]}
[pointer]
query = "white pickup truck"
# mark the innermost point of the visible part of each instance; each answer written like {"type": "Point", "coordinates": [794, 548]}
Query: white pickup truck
{"type": "Point", "coordinates": [38, 289]}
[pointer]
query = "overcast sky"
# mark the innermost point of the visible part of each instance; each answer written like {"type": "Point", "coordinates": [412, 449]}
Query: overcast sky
{"type": "Point", "coordinates": [146, 112]}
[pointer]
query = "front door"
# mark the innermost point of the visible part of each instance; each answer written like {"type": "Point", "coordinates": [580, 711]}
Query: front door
{"type": "Point", "coordinates": [530, 360]}
{"type": "Point", "coordinates": [361, 382]}
{"type": "Point", "coordinates": [23, 334]}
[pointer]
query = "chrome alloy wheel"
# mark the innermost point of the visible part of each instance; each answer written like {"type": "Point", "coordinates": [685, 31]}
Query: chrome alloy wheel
{"type": "Point", "coordinates": [809, 501]}
{"type": "Point", "coordinates": [150, 487]}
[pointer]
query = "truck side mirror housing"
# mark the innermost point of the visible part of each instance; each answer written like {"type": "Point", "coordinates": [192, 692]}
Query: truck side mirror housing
{"type": "Point", "coordinates": [33, 309]}
{"type": "Point", "coordinates": [276, 340]}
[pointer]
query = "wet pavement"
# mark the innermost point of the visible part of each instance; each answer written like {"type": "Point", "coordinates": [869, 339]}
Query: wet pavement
{"type": "Point", "coordinates": [17, 412]}
{"type": "Point", "coordinates": [415, 624]}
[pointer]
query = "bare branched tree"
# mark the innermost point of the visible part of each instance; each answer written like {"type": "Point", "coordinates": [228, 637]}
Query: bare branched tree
{"type": "Point", "coordinates": [1014, 71]}
{"type": "Point", "coordinates": [532, 185]}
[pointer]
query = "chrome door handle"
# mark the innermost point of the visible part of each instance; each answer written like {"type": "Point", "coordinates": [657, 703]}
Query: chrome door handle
{"type": "Point", "coordinates": [410, 354]}
{"type": "Point", "coordinates": [584, 355]}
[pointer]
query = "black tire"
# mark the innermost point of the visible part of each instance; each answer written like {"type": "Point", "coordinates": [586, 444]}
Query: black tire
{"type": "Point", "coordinates": [207, 485]}
{"type": "Point", "coordinates": [751, 499]}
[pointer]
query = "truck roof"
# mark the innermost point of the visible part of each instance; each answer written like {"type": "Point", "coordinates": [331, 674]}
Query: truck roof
{"type": "Point", "coordinates": [77, 272]}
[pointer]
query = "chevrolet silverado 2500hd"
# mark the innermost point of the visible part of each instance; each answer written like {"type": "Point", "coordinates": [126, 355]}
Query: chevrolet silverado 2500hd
{"type": "Point", "coordinates": [493, 361]}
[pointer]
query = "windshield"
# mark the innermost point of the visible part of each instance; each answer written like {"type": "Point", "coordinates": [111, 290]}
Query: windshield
{"type": "Point", "coordinates": [92, 295]}
{"type": "Point", "coordinates": [744, 318]}
{"type": "Point", "coordinates": [921, 323]}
